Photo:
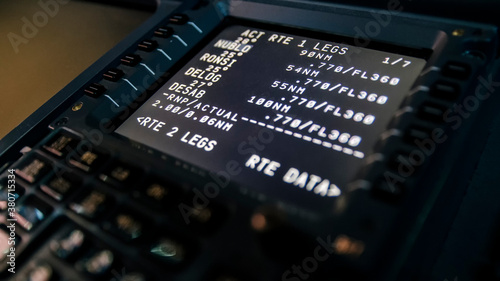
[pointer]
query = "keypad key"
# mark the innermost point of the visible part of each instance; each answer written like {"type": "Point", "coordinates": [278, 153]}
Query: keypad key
{"type": "Point", "coordinates": [148, 45]}
{"type": "Point", "coordinates": [131, 60]}
{"type": "Point", "coordinates": [87, 160]}
{"type": "Point", "coordinates": [113, 74]}
{"type": "Point", "coordinates": [98, 263]}
{"type": "Point", "coordinates": [415, 133]}
{"type": "Point", "coordinates": [61, 144]}
{"type": "Point", "coordinates": [119, 174]}
{"type": "Point", "coordinates": [159, 194]}
{"type": "Point", "coordinates": [33, 169]}
{"type": "Point", "coordinates": [124, 225]}
{"type": "Point", "coordinates": [168, 250]}
{"type": "Point", "coordinates": [432, 112]}
{"type": "Point", "coordinates": [445, 90]}
{"type": "Point", "coordinates": [69, 245]}
{"type": "Point", "coordinates": [41, 272]}
{"type": "Point", "coordinates": [457, 70]}
{"type": "Point", "coordinates": [164, 32]}
{"type": "Point", "coordinates": [95, 90]}
{"type": "Point", "coordinates": [91, 204]}
{"type": "Point", "coordinates": [60, 185]}
{"type": "Point", "coordinates": [30, 214]}
{"type": "Point", "coordinates": [178, 19]}
{"type": "Point", "coordinates": [202, 215]}
{"type": "Point", "coordinates": [14, 193]}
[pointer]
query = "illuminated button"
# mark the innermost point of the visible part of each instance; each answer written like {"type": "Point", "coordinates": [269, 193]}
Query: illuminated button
{"type": "Point", "coordinates": [169, 251]}
{"type": "Point", "coordinates": [95, 90]}
{"type": "Point", "coordinates": [457, 70]}
{"type": "Point", "coordinates": [60, 185]}
{"type": "Point", "coordinates": [91, 204]}
{"type": "Point", "coordinates": [164, 32]}
{"type": "Point", "coordinates": [87, 160]}
{"type": "Point", "coordinates": [97, 263]}
{"type": "Point", "coordinates": [131, 60]}
{"type": "Point", "coordinates": [178, 19]}
{"type": "Point", "coordinates": [432, 112]}
{"type": "Point", "coordinates": [61, 144]}
{"type": "Point", "coordinates": [119, 174]}
{"type": "Point", "coordinates": [7, 241]}
{"type": "Point", "coordinates": [33, 169]}
{"type": "Point", "coordinates": [14, 192]}
{"type": "Point", "coordinates": [445, 90]}
{"type": "Point", "coordinates": [148, 45]}
{"type": "Point", "coordinates": [127, 227]}
{"type": "Point", "coordinates": [113, 74]}
{"type": "Point", "coordinates": [69, 245]}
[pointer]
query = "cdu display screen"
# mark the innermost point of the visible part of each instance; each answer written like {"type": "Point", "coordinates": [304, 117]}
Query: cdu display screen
{"type": "Point", "coordinates": [288, 116]}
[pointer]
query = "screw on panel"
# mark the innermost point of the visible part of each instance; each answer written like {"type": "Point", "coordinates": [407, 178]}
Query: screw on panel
{"type": "Point", "coordinates": [77, 106]}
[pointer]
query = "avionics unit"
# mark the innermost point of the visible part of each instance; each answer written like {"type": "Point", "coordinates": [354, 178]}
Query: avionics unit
{"type": "Point", "coordinates": [267, 140]}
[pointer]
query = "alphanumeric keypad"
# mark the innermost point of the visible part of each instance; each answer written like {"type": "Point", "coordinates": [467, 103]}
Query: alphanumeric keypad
{"type": "Point", "coordinates": [85, 210]}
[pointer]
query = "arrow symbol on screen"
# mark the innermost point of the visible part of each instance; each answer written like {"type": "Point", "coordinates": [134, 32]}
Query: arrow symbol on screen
{"type": "Point", "coordinates": [140, 119]}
